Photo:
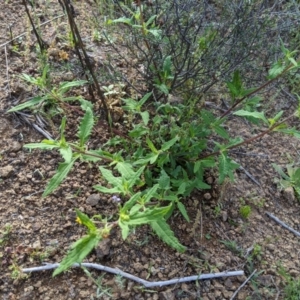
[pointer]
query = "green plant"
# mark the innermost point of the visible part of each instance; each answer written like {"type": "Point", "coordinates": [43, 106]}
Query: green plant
{"type": "Point", "coordinates": [291, 179]}
{"type": "Point", "coordinates": [245, 211]}
{"type": "Point", "coordinates": [233, 247]}
{"type": "Point", "coordinates": [50, 97]}
{"type": "Point", "coordinates": [5, 233]}
{"type": "Point", "coordinates": [102, 290]}
{"type": "Point", "coordinates": [163, 158]}
{"type": "Point", "coordinates": [292, 287]}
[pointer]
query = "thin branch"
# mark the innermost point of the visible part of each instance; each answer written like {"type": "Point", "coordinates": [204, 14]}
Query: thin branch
{"type": "Point", "coordinates": [147, 284]}
{"type": "Point", "coordinates": [242, 285]}
{"type": "Point", "coordinates": [297, 233]}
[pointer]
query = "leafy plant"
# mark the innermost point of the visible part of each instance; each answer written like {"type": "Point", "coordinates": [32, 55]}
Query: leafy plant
{"type": "Point", "coordinates": [164, 155]}
{"type": "Point", "coordinates": [291, 179]}
{"type": "Point", "coordinates": [292, 287]}
{"type": "Point", "coordinates": [49, 97]}
{"type": "Point", "coordinates": [245, 211]}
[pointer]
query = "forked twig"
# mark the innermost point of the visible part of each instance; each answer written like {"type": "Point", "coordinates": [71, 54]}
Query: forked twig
{"type": "Point", "coordinates": [147, 284]}
{"type": "Point", "coordinates": [242, 285]}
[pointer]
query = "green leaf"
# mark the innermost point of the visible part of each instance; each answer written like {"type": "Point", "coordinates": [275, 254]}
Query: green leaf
{"type": "Point", "coordinates": [61, 174]}
{"type": "Point", "coordinates": [66, 153]}
{"type": "Point", "coordinates": [106, 190]}
{"type": "Point", "coordinates": [43, 145]}
{"type": "Point", "coordinates": [79, 251]}
{"type": "Point", "coordinates": [276, 70]}
{"type": "Point", "coordinates": [145, 117]}
{"type": "Point", "coordinates": [149, 215]}
{"type": "Point", "coordinates": [226, 167]}
{"type": "Point", "coordinates": [108, 175]}
{"type": "Point", "coordinates": [151, 146]}
{"type": "Point", "coordinates": [28, 103]}
{"type": "Point", "coordinates": [164, 180]}
{"type": "Point", "coordinates": [121, 20]}
{"type": "Point", "coordinates": [128, 205]}
{"type": "Point", "coordinates": [280, 172]}
{"type": "Point", "coordinates": [124, 229]}
{"type": "Point", "coordinates": [86, 126]}
{"type": "Point", "coordinates": [144, 99]}
{"type": "Point", "coordinates": [85, 104]}
{"type": "Point", "coordinates": [167, 66]}
{"type": "Point", "coordinates": [65, 86]}
{"type": "Point", "coordinates": [256, 114]}
{"type": "Point", "coordinates": [125, 169]}
{"type": "Point", "coordinates": [150, 193]}
{"type": "Point", "coordinates": [86, 221]}
{"type": "Point", "coordinates": [167, 145]}
{"type": "Point", "coordinates": [163, 231]}
{"type": "Point", "coordinates": [163, 88]}
{"type": "Point", "coordinates": [183, 211]}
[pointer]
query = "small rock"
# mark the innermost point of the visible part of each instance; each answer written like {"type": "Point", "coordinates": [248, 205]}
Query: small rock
{"type": "Point", "coordinates": [93, 199]}
{"type": "Point", "coordinates": [270, 247]}
{"type": "Point", "coordinates": [6, 171]}
{"type": "Point", "coordinates": [228, 283]}
{"type": "Point", "coordinates": [289, 194]}
{"type": "Point", "coordinates": [227, 294]}
{"type": "Point", "coordinates": [224, 216]}
{"type": "Point", "coordinates": [37, 244]}
{"type": "Point", "coordinates": [167, 295]}
{"type": "Point", "coordinates": [15, 146]}
{"type": "Point", "coordinates": [265, 280]}
{"type": "Point", "coordinates": [207, 196]}
{"type": "Point", "coordinates": [103, 248]}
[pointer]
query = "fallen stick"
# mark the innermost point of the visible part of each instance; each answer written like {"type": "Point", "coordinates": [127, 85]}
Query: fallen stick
{"type": "Point", "coordinates": [283, 224]}
{"type": "Point", "coordinates": [147, 284]}
{"type": "Point", "coordinates": [242, 285]}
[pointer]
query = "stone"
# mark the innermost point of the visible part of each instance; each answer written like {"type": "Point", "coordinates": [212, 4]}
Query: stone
{"type": "Point", "coordinates": [103, 248]}
{"type": "Point", "coordinates": [93, 199]}
{"type": "Point", "coordinates": [6, 171]}
{"type": "Point", "coordinates": [289, 194]}
{"type": "Point", "coordinates": [167, 295]}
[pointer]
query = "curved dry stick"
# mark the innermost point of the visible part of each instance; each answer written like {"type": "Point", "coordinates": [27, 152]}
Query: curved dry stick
{"type": "Point", "coordinates": [147, 284]}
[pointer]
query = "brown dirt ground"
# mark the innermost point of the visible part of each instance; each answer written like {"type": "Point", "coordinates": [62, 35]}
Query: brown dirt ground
{"type": "Point", "coordinates": [42, 229]}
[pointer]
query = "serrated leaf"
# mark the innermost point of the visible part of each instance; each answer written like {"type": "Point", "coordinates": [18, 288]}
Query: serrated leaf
{"type": "Point", "coordinates": [86, 126]}
{"type": "Point", "coordinates": [164, 180]}
{"type": "Point", "coordinates": [150, 193]}
{"type": "Point", "coordinates": [147, 216]}
{"type": "Point", "coordinates": [124, 229]}
{"type": "Point", "coordinates": [86, 221]}
{"type": "Point", "coordinates": [163, 231]}
{"type": "Point", "coordinates": [108, 175]}
{"type": "Point", "coordinates": [256, 115]}
{"type": "Point", "coordinates": [131, 202]}
{"type": "Point", "coordinates": [65, 86]}
{"type": "Point", "coordinates": [106, 190]}
{"type": "Point", "coordinates": [66, 153]}
{"type": "Point", "coordinates": [276, 70]}
{"type": "Point", "coordinates": [151, 146]}
{"type": "Point", "coordinates": [145, 117]}
{"type": "Point", "coordinates": [60, 175]}
{"type": "Point", "coordinates": [167, 145]}
{"type": "Point", "coordinates": [78, 252]}
{"type": "Point", "coordinates": [183, 211]}
{"type": "Point", "coordinates": [163, 88]}
{"type": "Point", "coordinates": [85, 104]}
{"type": "Point", "coordinates": [125, 169]}
{"type": "Point", "coordinates": [221, 131]}
{"type": "Point", "coordinates": [29, 103]}
{"type": "Point", "coordinates": [42, 145]}
{"type": "Point", "coordinates": [226, 167]}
